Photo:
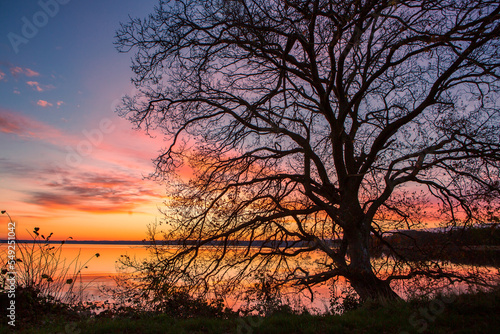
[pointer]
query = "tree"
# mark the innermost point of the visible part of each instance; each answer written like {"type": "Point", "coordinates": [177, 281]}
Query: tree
{"type": "Point", "coordinates": [317, 123]}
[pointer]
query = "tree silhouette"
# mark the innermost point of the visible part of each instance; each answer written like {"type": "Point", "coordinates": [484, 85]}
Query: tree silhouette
{"type": "Point", "coordinates": [317, 126]}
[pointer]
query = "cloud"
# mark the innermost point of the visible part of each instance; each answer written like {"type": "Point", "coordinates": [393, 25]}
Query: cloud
{"type": "Point", "coordinates": [8, 125]}
{"type": "Point", "coordinates": [85, 189]}
{"type": "Point", "coordinates": [105, 145]}
{"type": "Point", "coordinates": [2, 75]}
{"type": "Point", "coordinates": [26, 127]}
{"type": "Point", "coordinates": [16, 71]}
{"type": "Point", "coordinates": [35, 85]}
{"type": "Point", "coordinates": [30, 73]}
{"type": "Point", "coordinates": [15, 169]}
{"type": "Point", "coordinates": [109, 180]}
{"type": "Point", "coordinates": [44, 104]}
{"type": "Point", "coordinates": [40, 88]}
{"type": "Point", "coordinates": [122, 149]}
{"type": "Point", "coordinates": [105, 192]}
{"type": "Point", "coordinates": [59, 103]}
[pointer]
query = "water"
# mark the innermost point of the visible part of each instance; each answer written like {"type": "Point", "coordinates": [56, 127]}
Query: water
{"type": "Point", "coordinates": [101, 271]}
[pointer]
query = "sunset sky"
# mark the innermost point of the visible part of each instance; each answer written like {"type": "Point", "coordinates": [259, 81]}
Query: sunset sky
{"type": "Point", "coordinates": [68, 163]}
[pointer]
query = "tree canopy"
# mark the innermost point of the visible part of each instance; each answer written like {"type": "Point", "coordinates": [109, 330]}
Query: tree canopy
{"type": "Point", "coordinates": [317, 127]}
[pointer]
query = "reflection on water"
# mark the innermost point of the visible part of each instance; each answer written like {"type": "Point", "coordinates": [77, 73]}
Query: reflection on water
{"type": "Point", "coordinates": [98, 272]}
{"type": "Point", "coordinates": [101, 271]}
{"type": "Point", "coordinates": [106, 263]}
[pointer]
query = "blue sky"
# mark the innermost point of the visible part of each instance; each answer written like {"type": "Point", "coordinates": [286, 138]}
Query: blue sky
{"type": "Point", "coordinates": [73, 52]}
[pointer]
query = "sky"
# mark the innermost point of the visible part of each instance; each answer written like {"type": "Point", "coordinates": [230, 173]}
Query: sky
{"type": "Point", "coordinates": [68, 163]}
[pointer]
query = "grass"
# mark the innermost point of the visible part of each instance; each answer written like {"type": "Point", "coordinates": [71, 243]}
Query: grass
{"type": "Point", "coordinates": [467, 313]}
{"type": "Point", "coordinates": [42, 267]}
{"type": "Point", "coordinates": [44, 282]}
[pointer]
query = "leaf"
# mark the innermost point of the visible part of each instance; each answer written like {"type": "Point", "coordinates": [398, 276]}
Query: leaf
{"type": "Point", "coordinates": [97, 254]}
{"type": "Point", "coordinates": [69, 281]}
{"type": "Point", "coordinates": [3, 211]}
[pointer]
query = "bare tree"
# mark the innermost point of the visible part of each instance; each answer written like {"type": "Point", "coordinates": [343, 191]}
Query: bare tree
{"type": "Point", "coordinates": [317, 126]}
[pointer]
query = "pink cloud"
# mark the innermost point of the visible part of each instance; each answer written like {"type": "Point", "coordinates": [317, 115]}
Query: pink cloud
{"type": "Point", "coordinates": [96, 191]}
{"type": "Point", "coordinates": [35, 85]}
{"type": "Point", "coordinates": [118, 147]}
{"type": "Point", "coordinates": [26, 127]}
{"type": "Point", "coordinates": [44, 104]}
{"type": "Point", "coordinates": [16, 71]}
{"type": "Point", "coordinates": [8, 125]}
{"type": "Point", "coordinates": [59, 103]}
{"type": "Point", "coordinates": [30, 73]}
{"type": "Point", "coordinates": [122, 147]}
{"type": "Point", "coordinates": [2, 75]}
{"type": "Point", "coordinates": [85, 189]}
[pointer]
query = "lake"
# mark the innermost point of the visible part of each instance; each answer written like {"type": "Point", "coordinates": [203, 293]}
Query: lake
{"type": "Point", "coordinates": [100, 271]}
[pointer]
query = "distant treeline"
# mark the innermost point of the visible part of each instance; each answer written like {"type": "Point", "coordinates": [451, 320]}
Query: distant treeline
{"type": "Point", "coordinates": [475, 245]}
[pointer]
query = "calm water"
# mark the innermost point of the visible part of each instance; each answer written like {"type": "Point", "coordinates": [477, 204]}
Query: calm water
{"type": "Point", "coordinates": [101, 270]}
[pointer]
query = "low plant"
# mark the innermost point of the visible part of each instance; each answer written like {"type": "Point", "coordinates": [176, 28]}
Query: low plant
{"type": "Point", "coordinates": [44, 278]}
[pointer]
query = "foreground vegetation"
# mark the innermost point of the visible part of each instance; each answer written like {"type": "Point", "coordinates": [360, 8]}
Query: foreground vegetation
{"type": "Point", "coordinates": [466, 313]}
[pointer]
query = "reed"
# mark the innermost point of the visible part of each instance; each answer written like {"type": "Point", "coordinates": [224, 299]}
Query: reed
{"type": "Point", "coordinates": [42, 268]}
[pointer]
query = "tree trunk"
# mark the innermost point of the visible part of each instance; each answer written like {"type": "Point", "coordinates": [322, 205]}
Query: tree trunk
{"type": "Point", "coordinates": [360, 274]}
{"type": "Point", "coordinates": [369, 287]}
